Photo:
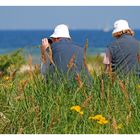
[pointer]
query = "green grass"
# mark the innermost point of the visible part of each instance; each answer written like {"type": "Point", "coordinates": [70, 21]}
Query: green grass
{"type": "Point", "coordinates": [29, 105]}
{"type": "Point", "coordinates": [7, 61]}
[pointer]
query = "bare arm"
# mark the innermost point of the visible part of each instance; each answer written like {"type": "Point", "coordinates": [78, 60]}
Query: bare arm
{"type": "Point", "coordinates": [107, 60]}
{"type": "Point", "coordinates": [44, 46]}
{"type": "Point", "coordinates": [45, 62]}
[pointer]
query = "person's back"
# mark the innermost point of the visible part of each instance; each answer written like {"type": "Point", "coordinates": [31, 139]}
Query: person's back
{"type": "Point", "coordinates": [66, 50]}
{"type": "Point", "coordinates": [124, 54]}
{"type": "Point", "coordinates": [67, 57]}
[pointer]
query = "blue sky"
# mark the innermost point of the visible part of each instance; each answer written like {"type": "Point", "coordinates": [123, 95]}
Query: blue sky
{"type": "Point", "coordinates": [47, 17]}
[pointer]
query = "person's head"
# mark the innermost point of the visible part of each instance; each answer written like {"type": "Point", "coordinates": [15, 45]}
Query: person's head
{"type": "Point", "coordinates": [60, 31]}
{"type": "Point", "coordinates": [121, 27]}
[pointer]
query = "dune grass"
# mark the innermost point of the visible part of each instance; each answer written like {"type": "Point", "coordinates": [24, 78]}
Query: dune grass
{"type": "Point", "coordinates": [106, 105]}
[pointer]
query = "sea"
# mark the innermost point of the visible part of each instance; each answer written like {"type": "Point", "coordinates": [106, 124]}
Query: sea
{"type": "Point", "coordinates": [30, 40]}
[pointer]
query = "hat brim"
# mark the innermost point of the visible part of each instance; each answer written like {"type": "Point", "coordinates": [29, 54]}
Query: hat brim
{"type": "Point", "coordinates": [56, 36]}
{"type": "Point", "coordinates": [53, 36]}
{"type": "Point", "coordinates": [116, 31]}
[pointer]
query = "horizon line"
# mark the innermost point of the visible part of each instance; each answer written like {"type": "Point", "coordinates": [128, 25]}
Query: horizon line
{"type": "Point", "coordinates": [53, 29]}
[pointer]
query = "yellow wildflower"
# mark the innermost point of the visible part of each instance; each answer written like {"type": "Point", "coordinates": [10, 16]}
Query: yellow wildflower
{"type": "Point", "coordinates": [102, 121]}
{"type": "Point", "coordinates": [77, 109]}
{"type": "Point", "coordinates": [119, 126]}
{"type": "Point", "coordinates": [81, 112]}
{"type": "Point", "coordinates": [99, 118]}
{"type": "Point", "coordinates": [7, 78]}
{"type": "Point", "coordinates": [91, 118]}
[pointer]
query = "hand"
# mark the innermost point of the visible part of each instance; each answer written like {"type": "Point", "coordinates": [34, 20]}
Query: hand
{"type": "Point", "coordinates": [44, 46]}
{"type": "Point", "coordinates": [45, 43]}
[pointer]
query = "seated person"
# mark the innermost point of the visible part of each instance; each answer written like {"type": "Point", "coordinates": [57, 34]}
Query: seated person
{"type": "Point", "coordinates": [122, 55]}
{"type": "Point", "coordinates": [61, 53]}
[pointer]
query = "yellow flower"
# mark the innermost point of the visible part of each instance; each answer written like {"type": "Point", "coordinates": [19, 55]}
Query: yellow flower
{"type": "Point", "coordinates": [102, 121]}
{"type": "Point", "coordinates": [99, 118]}
{"type": "Point", "coordinates": [120, 126]}
{"type": "Point", "coordinates": [91, 118]}
{"type": "Point", "coordinates": [77, 109]}
{"type": "Point", "coordinates": [7, 78]}
{"type": "Point", "coordinates": [81, 112]}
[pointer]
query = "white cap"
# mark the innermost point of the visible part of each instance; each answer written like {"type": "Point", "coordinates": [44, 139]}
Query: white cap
{"type": "Point", "coordinates": [120, 25]}
{"type": "Point", "coordinates": [61, 31]}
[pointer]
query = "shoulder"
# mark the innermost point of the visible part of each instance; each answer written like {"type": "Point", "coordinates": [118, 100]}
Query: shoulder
{"type": "Point", "coordinates": [67, 42]}
{"type": "Point", "coordinates": [113, 44]}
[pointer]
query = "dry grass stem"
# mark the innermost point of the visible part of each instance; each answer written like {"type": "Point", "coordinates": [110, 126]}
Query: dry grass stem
{"type": "Point", "coordinates": [87, 101]}
{"type": "Point", "coordinates": [71, 62]}
{"type": "Point", "coordinates": [21, 131]}
{"type": "Point", "coordinates": [102, 89]}
{"type": "Point", "coordinates": [114, 126]}
{"type": "Point", "coordinates": [78, 79]}
{"type": "Point", "coordinates": [128, 118]}
{"type": "Point", "coordinates": [123, 88]}
{"type": "Point", "coordinates": [85, 49]}
{"type": "Point", "coordinates": [22, 86]}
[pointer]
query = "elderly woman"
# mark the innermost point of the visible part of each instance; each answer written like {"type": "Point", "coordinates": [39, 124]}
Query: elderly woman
{"type": "Point", "coordinates": [122, 55]}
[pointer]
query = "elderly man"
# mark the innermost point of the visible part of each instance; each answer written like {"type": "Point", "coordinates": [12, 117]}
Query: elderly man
{"type": "Point", "coordinates": [122, 55]}
{"type": "Point", "coordinates": [61, 53]}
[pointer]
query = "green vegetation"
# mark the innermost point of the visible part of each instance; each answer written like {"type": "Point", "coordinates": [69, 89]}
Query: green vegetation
{"type": "Point", "coordinates": [95, 64]}
{"type": "Point", "coordinates": [29, 105]}
{"type": "Point", "coordinates": [11, 61]}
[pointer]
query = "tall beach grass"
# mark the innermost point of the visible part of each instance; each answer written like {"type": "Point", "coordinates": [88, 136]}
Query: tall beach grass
{"type": "Point", "coordinates": [106, 105]}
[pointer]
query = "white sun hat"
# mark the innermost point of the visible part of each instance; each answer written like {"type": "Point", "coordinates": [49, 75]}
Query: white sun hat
{"type": "Point", "coordinates": [61, 31]}
{"type": "Point", "coordinates": [120, 25]}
